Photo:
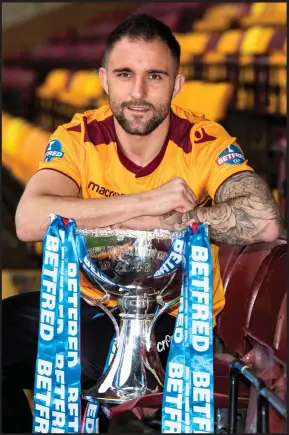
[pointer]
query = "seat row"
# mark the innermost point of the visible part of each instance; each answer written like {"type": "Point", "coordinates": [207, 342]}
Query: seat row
{"type": "Point", "coordinates": [253, 327]}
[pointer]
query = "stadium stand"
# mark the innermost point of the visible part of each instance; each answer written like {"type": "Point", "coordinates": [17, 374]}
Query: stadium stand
{"type": "Point", "coordinates": [234, 58]}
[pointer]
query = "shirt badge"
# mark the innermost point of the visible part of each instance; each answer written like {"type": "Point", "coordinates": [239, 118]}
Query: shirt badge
{"type": "Point", "coordinates": [53, 150]}
{"type": "Point", "coordinates": [232, 155]}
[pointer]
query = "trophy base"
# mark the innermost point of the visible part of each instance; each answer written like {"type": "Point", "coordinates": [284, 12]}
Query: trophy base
{"type": "Point", "coordinates": [110, 400]}
{"type": "Point", "coordinates": [113, 397]}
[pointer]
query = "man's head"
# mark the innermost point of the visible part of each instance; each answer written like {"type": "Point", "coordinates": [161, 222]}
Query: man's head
{"type": "Point", "coordinates": [140, 73]}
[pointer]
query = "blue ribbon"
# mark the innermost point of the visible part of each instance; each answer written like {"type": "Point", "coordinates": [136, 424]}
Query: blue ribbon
{"type": "Point", "coordinates": [57, 378]}
{"type": "Point", "coordinates": [188, 398]}
{"type": "Point", "coordinates": [90, 418]}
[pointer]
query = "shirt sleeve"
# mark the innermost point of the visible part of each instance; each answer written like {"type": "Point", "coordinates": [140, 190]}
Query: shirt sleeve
{"type": "Point", "coordinates": [216, 155]}
{"type": "Point", "coordinates": [62, 154]}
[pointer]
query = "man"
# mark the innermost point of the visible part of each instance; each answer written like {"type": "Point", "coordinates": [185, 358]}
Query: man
{"type": "Point", "coordinates": [138, 163]}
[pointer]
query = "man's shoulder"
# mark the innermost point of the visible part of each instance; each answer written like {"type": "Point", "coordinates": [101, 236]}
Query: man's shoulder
{"type": "Point", "coordinates": [95, 126]}
{"type": "Point", "coordinates": [194, 129]}
{"type": "Point", "coordinates": [187, 115]}
{"type": "Point", "coordinates": [101, 114]}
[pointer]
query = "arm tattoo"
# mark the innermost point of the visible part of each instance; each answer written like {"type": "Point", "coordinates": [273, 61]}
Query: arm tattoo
{"type": "Point", "coordinates": [243, 211]}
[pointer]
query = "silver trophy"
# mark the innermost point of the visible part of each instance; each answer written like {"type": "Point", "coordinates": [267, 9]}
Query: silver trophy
{"type": "Point", "coordinates": [124, 264]}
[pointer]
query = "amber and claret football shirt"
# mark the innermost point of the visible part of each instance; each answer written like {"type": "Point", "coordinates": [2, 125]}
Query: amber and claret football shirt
{"type": "Point", "coordinates": [196, 149]}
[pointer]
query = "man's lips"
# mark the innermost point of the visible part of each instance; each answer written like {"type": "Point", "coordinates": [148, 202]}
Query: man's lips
{"type": "Point", "coordinates": [138, 109]}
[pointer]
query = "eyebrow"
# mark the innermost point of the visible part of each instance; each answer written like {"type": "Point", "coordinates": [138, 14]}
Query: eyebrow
{"type": "Point", "coordinates": [150, 71]}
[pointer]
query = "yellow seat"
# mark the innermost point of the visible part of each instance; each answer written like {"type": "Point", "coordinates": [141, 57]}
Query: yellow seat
{"type": "Point", "coordinates": [214, 60]}
{"type": "Point", "coordinates": [256, 40]}
{"type": "Point", "coordinates": [55, 82]}
{"type": "Point", "coordinates": [32, 152]}
{"type": "Point", "coordinates": [212, 99]}
{"type": "Point", "coordinates": [84, 86]}
{"type": "Point", "coordinates": [13, 133]}
{"type": "Point", "coordinates": [23, 146]}
{"type": "Point", "coordinates": [218, 17]}
{"type": "Point", "coordinates": [229, 42]}
{"type": "Point", "coordinates": [266, 14]}
{"type": "Point", "coordinates": [188, 97]}
{"type": "Point", "coordinates": [193, 44]}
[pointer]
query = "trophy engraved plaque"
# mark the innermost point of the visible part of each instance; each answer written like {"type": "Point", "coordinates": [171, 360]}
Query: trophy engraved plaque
{"type": "Point", "coordinates": [142, 271]}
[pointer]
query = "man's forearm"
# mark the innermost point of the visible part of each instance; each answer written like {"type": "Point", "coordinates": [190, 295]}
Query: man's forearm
{"type": "Point", "coordinates": [249, 218]}
{"type": "Point", "coordinates": [32, 218]}
{"type": "Point", "coordinates": [235, 223]}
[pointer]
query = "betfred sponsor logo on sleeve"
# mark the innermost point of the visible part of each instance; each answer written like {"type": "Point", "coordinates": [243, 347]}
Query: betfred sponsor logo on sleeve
{"type": "Point", "coordinates": [232, 155]}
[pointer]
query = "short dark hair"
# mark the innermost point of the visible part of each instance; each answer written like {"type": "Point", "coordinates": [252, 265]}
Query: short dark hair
{"type": "Point", "coordinates": [143, 27]}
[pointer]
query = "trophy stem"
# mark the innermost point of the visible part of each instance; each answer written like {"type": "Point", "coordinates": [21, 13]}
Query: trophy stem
{"type": "Point", "coordinates": [136, 369]}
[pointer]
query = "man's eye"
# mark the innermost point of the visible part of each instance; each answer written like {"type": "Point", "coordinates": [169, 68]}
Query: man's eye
{"type": "Point", "coordinates": [124, 75]}
{"type": "Point", "coordinates": [155, 77]}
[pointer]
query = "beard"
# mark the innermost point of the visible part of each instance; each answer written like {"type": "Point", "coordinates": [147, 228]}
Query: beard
{"type": "Point", "coordinates": [138, 126]}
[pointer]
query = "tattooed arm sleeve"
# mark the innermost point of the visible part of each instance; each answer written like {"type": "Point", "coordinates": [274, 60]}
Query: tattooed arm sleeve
{"type": "Point", "coordinates": [245, 212]}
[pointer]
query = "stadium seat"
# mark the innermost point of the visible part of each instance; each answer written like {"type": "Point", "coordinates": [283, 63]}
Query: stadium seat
{"type": "Point", "coordinates": [268, 300]}
{"type": "Point", "coordinates": [270, 365]}
{"type": "Point", "coordinates": [56, 81]}
{"type": "Point", "coordinates": [84, 92]}
{"type": "Point", "coordinates": [14, 130]}
{"type": "Point", "coordinates": [33, 149]}
{"type": "Point", "coordinates": [250, 268]}
{"type": "Point", "coordinates": [220, 17]}
{"type": "Point", "coordinates": [266, 13]}
{"type": "Point", "coordinates": [280, 337]}
{"type": "Point", "coordinates": [239, 285]}
{"type": "Point", "coordinates": [84, 86]}
{"type": "Point", "coordinates": [215, 58]}
{"type": "Point", "coordinates": [18, 135]}
{"type": "Point", "coordinates": [212, 99]}
{"type": "Point", "coordinates": [228, 255]}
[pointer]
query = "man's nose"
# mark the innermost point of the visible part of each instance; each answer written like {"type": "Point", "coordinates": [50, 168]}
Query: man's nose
{"type": "Point", "coordinates": [139, 88]}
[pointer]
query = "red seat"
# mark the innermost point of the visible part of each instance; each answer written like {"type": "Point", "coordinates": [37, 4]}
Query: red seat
{"type": "Point", "coordinates": [267, 300]}
{"type": "Point", "coordinates": [280, 338]}
{"type": "Point", "coordinates": [227, 257]}
{"type": "Point", "coordinates": [241, 272]}
{"type": "Point", "coordinates": [241, 282]}
{"type": "Point", "coordinates": [270, 365]}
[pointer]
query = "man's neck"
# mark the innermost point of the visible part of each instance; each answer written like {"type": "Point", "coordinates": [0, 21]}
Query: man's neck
{"type": "Point", "coordinates": [142, 149]}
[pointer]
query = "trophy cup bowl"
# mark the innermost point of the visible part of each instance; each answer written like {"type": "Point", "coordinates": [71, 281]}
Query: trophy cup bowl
{"type": "Point", "coordinates": [124, 264]}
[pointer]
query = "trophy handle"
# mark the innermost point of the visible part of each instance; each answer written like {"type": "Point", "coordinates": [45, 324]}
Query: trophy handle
{"type": "Point", "coordinates": [97, 303]}
{"type": "Point", "coordinates": [112, 318]}
{"type": "Point", "coordinates": [161, 311]}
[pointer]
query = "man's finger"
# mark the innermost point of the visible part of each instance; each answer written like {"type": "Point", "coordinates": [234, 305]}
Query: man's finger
{"type": "Point", "coordinates": [169, 214]}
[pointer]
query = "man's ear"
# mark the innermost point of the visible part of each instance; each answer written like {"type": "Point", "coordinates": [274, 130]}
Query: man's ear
{"type": "Point", "coordinates": [103, 78]}
{"type": "Point", "coordinates": [179, 83]}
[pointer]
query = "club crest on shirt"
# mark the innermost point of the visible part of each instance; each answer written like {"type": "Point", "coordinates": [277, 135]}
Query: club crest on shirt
{"type": "Point", "coordinates": [53, 150]}
{"type": "Point", "coordinates": [232, 155]}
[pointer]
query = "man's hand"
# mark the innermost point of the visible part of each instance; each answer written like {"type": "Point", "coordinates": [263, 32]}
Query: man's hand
{"type": "Point", "coordinates": [179, 221]}
{"type": "Point", "coordinates": [175, 195]}
{"type": "Point", "coordinates": [166, 205]}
